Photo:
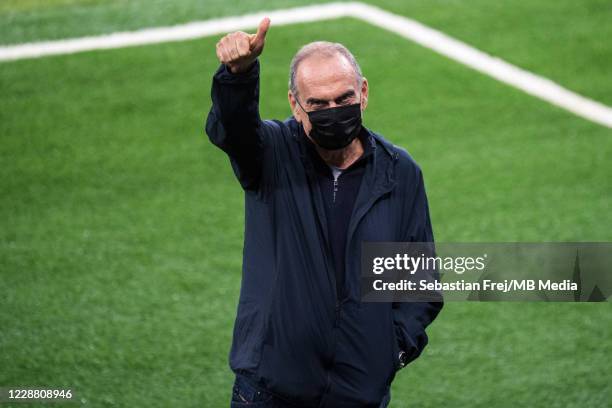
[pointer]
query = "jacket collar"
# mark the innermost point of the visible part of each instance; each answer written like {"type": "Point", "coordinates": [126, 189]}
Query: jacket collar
{"type": "Point", "coordinates": [379, 153]}
{"type": "Point", "coordinates": [318, 162]}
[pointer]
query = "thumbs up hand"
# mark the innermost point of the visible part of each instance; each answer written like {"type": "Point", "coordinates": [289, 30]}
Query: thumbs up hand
{"type": "Point", "coordinates": [239, 50]}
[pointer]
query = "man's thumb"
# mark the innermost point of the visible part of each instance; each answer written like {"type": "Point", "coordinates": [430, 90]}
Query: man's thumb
{"type": "Point", "coordinates": [258, 39]}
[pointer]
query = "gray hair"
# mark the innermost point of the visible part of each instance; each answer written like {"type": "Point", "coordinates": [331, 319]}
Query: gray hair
{"type": "Point", "coordinates": [322, 48]}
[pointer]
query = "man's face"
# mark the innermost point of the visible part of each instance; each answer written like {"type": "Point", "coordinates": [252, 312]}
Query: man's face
{"type": "Point", "coordinates": [325, 82]}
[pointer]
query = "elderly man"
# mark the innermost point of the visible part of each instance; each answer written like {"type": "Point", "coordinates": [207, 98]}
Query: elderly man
{"type": "Point", "coordinates": [316, 185]}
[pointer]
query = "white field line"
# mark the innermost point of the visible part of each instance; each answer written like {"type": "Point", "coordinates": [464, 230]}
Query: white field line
{"type": "Point", "coordinates": [410, 29]}
{"type": "Point", "coordinates": [189, 31]}
{"type": "Point", "coordinates": [497, 68]}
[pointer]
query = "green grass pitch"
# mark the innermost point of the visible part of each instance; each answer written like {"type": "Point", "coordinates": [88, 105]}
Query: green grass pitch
{"type": "Point", "coordinates": [121, 225]}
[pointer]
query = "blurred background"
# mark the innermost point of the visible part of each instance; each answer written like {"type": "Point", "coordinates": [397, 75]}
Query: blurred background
{"type": "Point", "coordinates": [121, 225]}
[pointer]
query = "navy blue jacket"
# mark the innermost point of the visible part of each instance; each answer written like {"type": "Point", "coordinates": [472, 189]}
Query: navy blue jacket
{"type": "Point", "coordinates": [292, 333]}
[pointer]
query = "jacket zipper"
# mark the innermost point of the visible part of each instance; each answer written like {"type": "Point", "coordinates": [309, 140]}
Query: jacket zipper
{"type": "Point", "coordinates": [335, 188]}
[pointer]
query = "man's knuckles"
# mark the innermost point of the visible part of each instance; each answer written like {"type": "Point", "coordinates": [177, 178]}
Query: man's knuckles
{"type": "Point", "coordinates": [235, 45]}
{"type": "Point", "coordinates": [238, 47]}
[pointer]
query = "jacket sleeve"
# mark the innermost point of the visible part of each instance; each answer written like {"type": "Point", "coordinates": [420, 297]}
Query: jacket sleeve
{"type": "Point", "coordinates": [234, 125]}
{"type": "Point", "coordinates": [412, 318]}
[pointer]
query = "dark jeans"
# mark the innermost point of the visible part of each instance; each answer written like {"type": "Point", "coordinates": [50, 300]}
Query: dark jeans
{"type": "Point", "coordinates": [246, 394]}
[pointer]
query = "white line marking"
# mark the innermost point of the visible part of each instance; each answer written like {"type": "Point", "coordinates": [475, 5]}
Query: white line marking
{"type": "Point", "coordinates": [419, 33]}
{"type": "Point", "coordinates": [181, 32]}
{"type": "Point", "coordinates": [497, 68]}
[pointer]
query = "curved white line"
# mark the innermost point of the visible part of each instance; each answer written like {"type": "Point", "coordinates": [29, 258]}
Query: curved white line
{"type": "Point", "coordinates": [419, 33]}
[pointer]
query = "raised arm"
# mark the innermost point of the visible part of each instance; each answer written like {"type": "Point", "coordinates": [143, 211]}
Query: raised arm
{"type": "Point", "coordinates": [233, 123]}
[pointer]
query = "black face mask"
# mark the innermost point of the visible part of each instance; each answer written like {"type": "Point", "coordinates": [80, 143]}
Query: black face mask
{"type": "Point", "coordinates": [335, 128]}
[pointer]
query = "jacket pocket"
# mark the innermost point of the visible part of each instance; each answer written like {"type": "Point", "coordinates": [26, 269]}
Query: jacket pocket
{"type": "Point", "coordinates": [246, 337]}
{"type": "Point", "coordinates": [245, 319]}
{"type": "Point", "coordinates": [395, 349]}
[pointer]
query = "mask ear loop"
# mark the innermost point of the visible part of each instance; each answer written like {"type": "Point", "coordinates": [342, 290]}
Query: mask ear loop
{"type": "Point", "coordinates": [360, 99]}
{"type": "Point", "coordinates": [298, 102]}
